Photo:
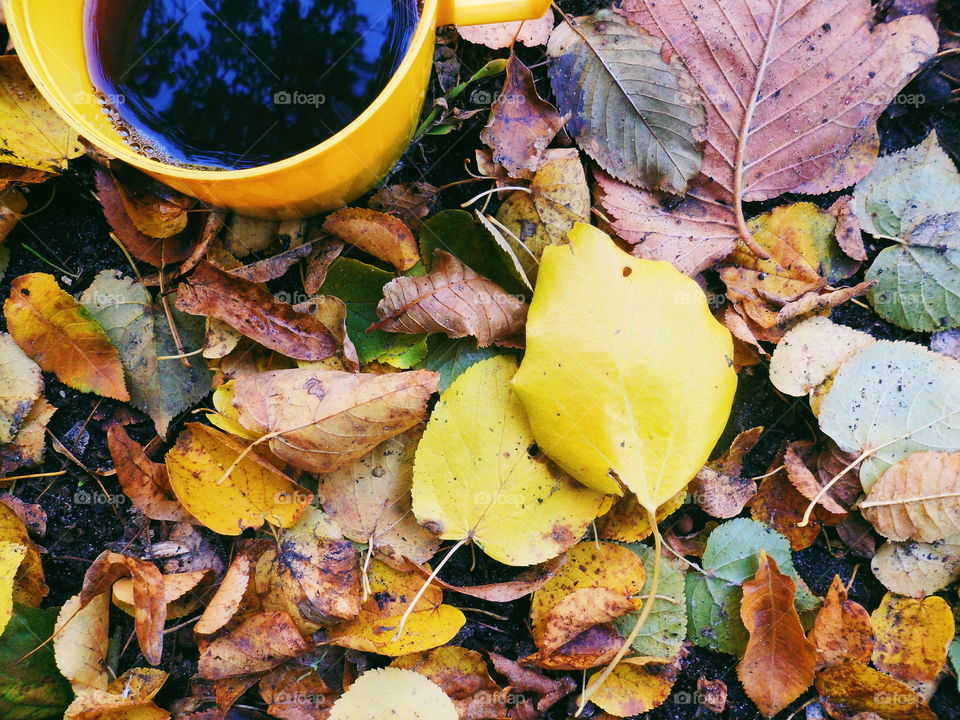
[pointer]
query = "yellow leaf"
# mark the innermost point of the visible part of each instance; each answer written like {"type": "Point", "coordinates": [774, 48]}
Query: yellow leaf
{"type": "Point", "coordinates": [226, 601]}
{"type": "Point", "coordinates": [175, 586]}
{"type": "Point", "coordinates": [429, 625]}
{"type": "Point", "coordinates": [29, 584]}
{"type": "Point", "coordinates": [80, 642]}
{"type": "Point", "coordinates": [227, 417]}
{"type": "Point", "coordinates": [851, 688]}
{"type": "Point", "coordinates": [392, 692]}
{"type": "Point", "coordinates": [11, 555]}
{"type": "Point", "coordinates": [21, 386]}
{"type": "Point", "coordinates": [129, 697]}
{"type": "Point", "coordinates": [476, 478]}
{"type": "Point", "coordinates": [636, 686]}
{"type": "Point", "coordinates": [627, 378]}
{"type": "Point", "coordinates": [912, 637]}
{"type": "Point", "coordinates": [260, 643]}
{"type": "Point", "coordinates": [255, 492]}
{"type": "Point", "coordinates": [62, 337]}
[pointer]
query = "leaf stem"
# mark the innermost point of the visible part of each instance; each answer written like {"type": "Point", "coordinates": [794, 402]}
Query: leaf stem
{"type": "Point", "coordinates": [423, 588]}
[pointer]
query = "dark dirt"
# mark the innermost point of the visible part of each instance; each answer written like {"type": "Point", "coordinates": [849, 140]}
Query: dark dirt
{"type": "Point", "coordinates": [66, 227]}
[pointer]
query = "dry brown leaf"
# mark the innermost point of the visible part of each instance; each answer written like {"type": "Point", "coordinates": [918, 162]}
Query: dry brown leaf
{"type": "Point", "coordinates": [917, 499]}
{"type": "Point", "coordinates": [323, 420]}
{"type": "Point", "coordinates": [175, 587]}
{"type": "Point", "coordinates": [713, 694]}
{"type": "Point", "coordinates": [787, 99]}
{"type": "Point", "coordinates": [451, 299]}
{"type": "Point", "coordinates": [260, 643]}
{"type": "Point", "coordinates": [522, 124]}
{"type": "Point", "coordinates": [370, 501]}
{"type": "Point", "coordinates": [626, 521]}
{"type": "Point", "coordinates": [777, 666]}
{"type": "Point", "coordinates": [273, 267]}
{"type": "Point", "coordinates": [296, 692]}
{"type": "Point", "coordinates": [129, 697]}
{"type": "Point", "coordinates": [80, 642]}
{"type": "Point", "coordinates": [579, 611]}
{"type": "Point", "coordinates": [148, 596]}
{"type": "Point", "coordinates": [253, 311]}
{"type": "Point", "coordinates": [842, 630]}
{"type": "Point", "coordinates": [226, 601]}
{"type": "Point", "coordinates": [528, 581]}
{"type": "Point", "coordinates": [411, 202]}
{"type": "Point", "coordinates": [523, 680]}
{"type": "Point", "coordinates": [155, 209]}
{"type": "Point", "coordinates": [781, 506]}
{"type": "Point", "coordinates": [500, 35]}
{"type": "Point", "coordinates": [319, 263]}
{"type": "Point", "coordinates": [144, 481]}
{"type": "Point", "coordinates": [836, 501]}
{"type": "Point", "coordinates": [384, 236]}
{"type": "Point", "coordinates": [721, 495]}
{"type": "Point", "coordinates": [29, 445]}
{"type": "Point", "coordinates": [852, 688]}
{"type": "Point", "coordinates": [847, 232]}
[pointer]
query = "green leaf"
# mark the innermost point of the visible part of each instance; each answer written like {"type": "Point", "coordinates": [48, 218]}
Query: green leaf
{"type": "Point", "coordinates": [918, 282]}
{"type": "Point", "coordinates": [631, 110]}
{"type": "Point", "coordinates": [31, 689]}
{"type": "Point", "coordinates": [953, 652]}
{"type": "Point", "coordinates": [139, 329]}
{"type": "Point", "coordinates": [451, 357]}
{"type": "Point", "coordinates": [895, 397]}
{"type": "Point", "coordinates": [731, 557]}
{"type": "Point", "coordinates": [666, 627]}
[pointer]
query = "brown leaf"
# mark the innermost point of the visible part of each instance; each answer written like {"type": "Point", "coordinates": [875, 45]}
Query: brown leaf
{"type": "Point", "coordinates": [842, 630]}
{"type": "Point", "coordinates": [787, 99]}
{"type": "Point", "coordinates": [720, 495]}
{"type": "Point", "coordinates": [451, 299]}
{"type": "Point", "coordinates": [155, 209]}
{"type": "Point", "coordinates": [579, 611]}
{"type": "Point", "coordinates": [226, 601]}
{"type": "Point", "coordinates": [296, 692]}
{"type": "Point", "coordinates": [143, 481]}
{"type": "Point", "coordinates": [274, 266]}
{"type": "Point", "coordinates": [627, 522]}
{"type": "Point", "coordinates": [713, 694]}
{"type": "Point", "coordinates": [319, 263]}
{"type": "Point", "coordinates": [148, 596]}
{"type": "Point", "coordinates": [522, 124]}
{"type": "Point", "coordinates": [29, 445]}
{"type": "Point", "coordinates": [411, 202]}
{"type": "Point", "coordinates": [731, 462]}
{"type": "Point", "coordinates": [528, 581]}
{"type": "Point", "coordinates": [594, 647]}
{"type": "Point", "coordinates": [260, 643]}
{"type": "Point", "coordinates": [324, 420]}
{"type": "Point", "coordinates": [836, 501]}
{"type": "Point", "coordinates": [851, 688]}
{"type": "Point", "coordinates": [522, 680]}
{"type": "Point", "coordinates": [781, 506]}
{"type": "Point", "coordinates": [848, 234]}
{"type": "Point", "coordinates": [384, 236]}
{"type": "Point", "coordinates": [917, 499]}
{"type": "Point", "coordinates": [254, 312]}
{"type": "Point", "coordinates": [777, 666]}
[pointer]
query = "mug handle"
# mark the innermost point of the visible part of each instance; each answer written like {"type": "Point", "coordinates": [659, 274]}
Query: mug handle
{"type": "Point", "coordinates": [481, 12]}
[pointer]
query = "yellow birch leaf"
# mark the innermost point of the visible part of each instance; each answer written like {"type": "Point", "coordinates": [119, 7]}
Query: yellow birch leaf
{"type": "Point", "coordinates": [29, 583]}
{"type": "Point", "coordinates": [255, 492]}
{"type": "Point", "coordinates": [80, 642]}
{"type": "Point", "coordinates": [11, 555]}
{"type": "Point", "coordinates": [393, 692]}
{"type": "Point", "coordinates": [628, 379]}
{"type": "Point", "coordinates": [636, 686]}
{"type": "Point", "coordinates": [475, 477]}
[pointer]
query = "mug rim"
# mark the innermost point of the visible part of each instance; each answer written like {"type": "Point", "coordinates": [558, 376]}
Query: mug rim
{"type": "Point", "coordinates": [426, 26]}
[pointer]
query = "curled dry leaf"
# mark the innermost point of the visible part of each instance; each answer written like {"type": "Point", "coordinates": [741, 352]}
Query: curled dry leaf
{"type": "Point", "coordinates": [384, 236]}
{"type": "Point", "coordinates": [175, 587]}
{"type": "Point", "coordinates": [273, 267]}
{"type": "Point", "coordinates": [253, 311]}
{"type": "Point", "coordinates": [842, 630]}
{"type": "Point", "coordinates": [148, 596]}
{"type": "Point", "coordinates": [254, 491]}
{"type": "Point", "coordinates": [321, 420]}
{"type": "Point", "coordinates": [917, 499]}
{"type": "Point", "coordinates": [786, 101]}
{"type": "Point", "coordinates": [847, 231]}
{"type": "Point", "coordinates": [851, 688]}
{"type": "Point", "coordinates": [411, 202]}
{"type": "Point", "coordinates": [522, 124]}
{"type": "Point", "coordinates": [475, 478]}
{"type": "Point", "coordinates": [370, 501]}
{"type": "Point", "coordinates": [462, 674]}
{"type": "Point", "coordinates": [226, 601]}
{"type": "Point", "coordinates": [524, 583]}
{"type": "Point", "coordinates": [834, 504]}
{"type": "Point", "coordinates": [81, 640]}
{"type": "Point", "coordinates": [778, 664]}
{"type": "Point", "coordinates": [393, 691]}
{"type": "Point", "coordinates": [497, 36]}
{"type": "Point", "coordinates": [62, 337]}
{"type": "Point", "coordinates": [912, 637]}
{"type": "Point", "coordinates": [633, 109]}
{"type": "Point", "coordinates": [319, 263]}
{"type": "Point", "coordinates": [451, 299]}
{"type": "Point", "coordinates": [21, 384]}
{"type": "Point", "coordinates": [523, 680]}
{"type": "Point", "coordinates": [129, 697]}
{"type": "Point", "coordinates": [155, 209]}
{"type": "Point", "coordinates": [917, 569]}
{"type": "Point", "coordinates": [260, 643]}
{"type": "Point", "coordinates": [780, 505]}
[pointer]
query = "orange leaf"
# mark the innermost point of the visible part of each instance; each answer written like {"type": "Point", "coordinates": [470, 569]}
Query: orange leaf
{"type": "Point", "coordinates": [384, 236]}
{"type": "Point", "coordinates": [842, 630]}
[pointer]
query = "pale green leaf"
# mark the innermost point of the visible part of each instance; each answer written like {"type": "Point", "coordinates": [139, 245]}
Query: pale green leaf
{"type": "Point", "coordinates": [666, 627]}
{"type": "Point", "coordinates": [31, 687]}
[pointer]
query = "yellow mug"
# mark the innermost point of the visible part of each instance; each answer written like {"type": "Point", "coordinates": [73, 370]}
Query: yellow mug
{"type": "Point", "coordinates": [48, 35]}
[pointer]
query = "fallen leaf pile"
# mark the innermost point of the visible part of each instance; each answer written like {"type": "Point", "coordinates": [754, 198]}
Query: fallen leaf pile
{"type": "Point", "coordinates": [653, 410]}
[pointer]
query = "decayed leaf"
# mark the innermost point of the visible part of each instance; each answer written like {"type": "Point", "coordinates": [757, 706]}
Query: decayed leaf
{"type": "Point", "coordinates": [29, 445]}
{"type": "Point", "coordinates": [917, 569]}
{"type": "Point", "coordinates": [636, 686]}
{"type": "Point", "coordinates": [847, 231]}
{"type": "Point", "coordinates": [296, 692]}
{"type": "Point", "coordinates": [143, 481]}
{"type": "Point", "coordinates": [917, 499]}
{"type": "Point", "coordinates": [411, 202]}
{"type": "Point", "coordinates": [253, 493]}
{"type": "Point", "coordinates": [474, 477]}
{"type": "Point", "coordinates": [522, 124]}
{"type": "Point", "coordinates": [21, 385]}
{"type": "Point", "coordinates": [721, 495]}
{"type": "Point", "coordinates": [129, 697]}
{"type": "Point", "coordinates": [370, 501]}
{"type": "Point", "coordinates": [81, 641]}
{"type": "Point", "coordinates": [462, 675]}
{"type": "Point", "coordinates": [842, 630]}
{"type": "Point", "coordinates": [431, 623]}
{"type": "Point", "coordinates": [155, 209]}
{"type": "Point", "coordinates": [778, 663]}
{"type": "Point", "coordinates": [912, 637]}
{"type": "Point", "coordinates": [321, 420]}
{"type": "Point", "coordinates": [148, 595]}
{"type": "Point", "coordinates": [225, 603]}
{"type": "Point", "coordinates": [253, 311]}
{"type": "Point", "coordinates": [834, 504]}
{"type": "Point", "coordinates": [28, 584]}
{"type": "Point", "coordinates": [384, 236]}
{"type": "Point", "coordinates": [787, 100]}
{"type": "Point", "coordinates": [633, 109]}
{"type": "Point", "coordinates": [34, 135]}
{"type": "Point", "coordinates": [500, 35]}
{"type": "Point", "coordinates": [851, 688]}
{"type": "Point", "coordinates": [451, 299]}
{"type": "Point", "coordinates": [861, 413]}
{"type": "Point", "coordinates": [62, 337]}
{"type": "Point", "coordinates": [392, 691]}
{"type": "Point", "coordinates": [780, 505]}
{"type": "Point", "coordinates": [604, 359]}
{"type": "Point", "coordinates": [139, 329]}
{"type": "Point", "coordinates": [557, 199]}
{"type": "Point", "coordinates": [259, 643]}
{"type": "Point", "coordinates": [811, 352]}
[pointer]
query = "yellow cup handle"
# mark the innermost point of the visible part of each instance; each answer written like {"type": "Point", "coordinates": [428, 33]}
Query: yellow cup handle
{"type": "Point", "coordinates": [481, 12]}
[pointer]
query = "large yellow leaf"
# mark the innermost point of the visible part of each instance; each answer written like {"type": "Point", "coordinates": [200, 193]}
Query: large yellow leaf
{"type": "Point", "coordinates": [628, 379]}
{"type": "Point", "coordinates": [475, 478]}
